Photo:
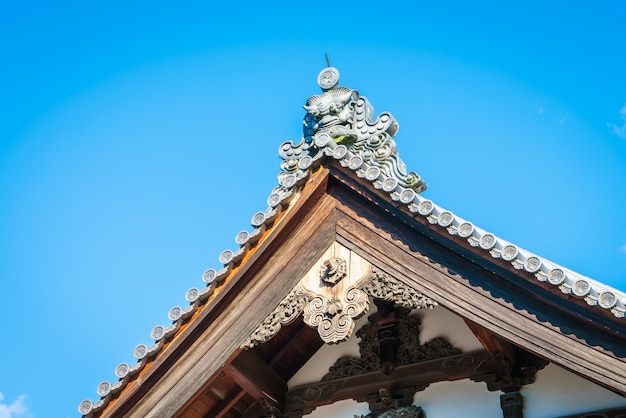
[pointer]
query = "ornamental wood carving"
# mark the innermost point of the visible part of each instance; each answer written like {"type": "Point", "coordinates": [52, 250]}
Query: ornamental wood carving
{"type": "Point", "coordinates": [405, 381]}
{"type": "Point", "coordinates": [388, 340]}
{"type": "Point", "coordinates": [333, 294]}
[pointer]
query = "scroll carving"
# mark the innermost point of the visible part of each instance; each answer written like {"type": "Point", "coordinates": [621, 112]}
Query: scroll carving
{"type": "Point", "coordinates": [382, 286]}
{"type": "Point", "coordinates": [331, 298]}
{"type": "Point", "coordinates": [334, 317]}
{"type": "Point", "coordinates": [285, 313]}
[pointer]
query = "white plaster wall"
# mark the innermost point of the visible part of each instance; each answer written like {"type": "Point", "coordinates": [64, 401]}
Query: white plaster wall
{"type": "Point", "coordinates": [557, 392]}
{"type": "Point", "coordinates": [440, 322]}
{"type": "Point", "coordinates": [342, 409]}
{"type": "Point", "coordinates": [461, 398]}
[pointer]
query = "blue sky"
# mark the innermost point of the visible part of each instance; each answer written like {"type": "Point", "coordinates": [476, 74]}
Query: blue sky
{"type": "Point", "coordinates": [137, 139]}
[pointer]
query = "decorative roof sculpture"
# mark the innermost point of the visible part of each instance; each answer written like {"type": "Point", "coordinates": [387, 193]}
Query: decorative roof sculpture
{"type": "Point", "coordinates": [340, 127]}
{"type": "Point", "coordinates": [340, 123]}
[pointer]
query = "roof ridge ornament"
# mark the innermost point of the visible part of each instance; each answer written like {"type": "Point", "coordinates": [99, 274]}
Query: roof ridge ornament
{"type": "Point", "coordinates": [328, 78]}
{"type": "Point", "coordinates": [341, 123]}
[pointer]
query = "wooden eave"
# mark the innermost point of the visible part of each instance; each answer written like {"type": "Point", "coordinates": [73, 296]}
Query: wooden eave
{"type": "Point", "coordinates": [203, 371]}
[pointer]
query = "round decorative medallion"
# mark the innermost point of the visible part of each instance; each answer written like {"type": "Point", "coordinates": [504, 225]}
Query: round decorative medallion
{"type": "Point", "coordinates": [258, 219]}
{"type": "Point", "coordinates": [487, 241]}
{"type": "Point", "coordinates": [407, 196]}
{"type": "Point", "coordinates": [509, 252]}
{"type": "Point", "coordinates": [607, 300]}
{"type": "Point", "coordinates": [226, 256]}
{"type": "Point", "coordinates": [581, 288]}
{"type": "Point", "coordinates": [140, 351]}
{"type": "Point", "coordinates": [305, 162]}
{"type": "Point", "coordinates": [122, 370]}
{"type": "Point", "coordinates": [175, 313]}
{"type": "Point", "coordinates": [192, 294]}
{"type": "Point", "coordinates": [85, 407]}
{"type": "Point", "coordinates": [372, 173]}
{"type": "Point", "coordinates": [445, 219]}
{"type": "Point", "coordinates": [340, 152]}
{"type": "Point", "coordinates": [242, 237]}
{"type": "Point", "coordinates": [209, 276]}
{"type": "Point", "coordinates": [532, 264]}
{"type": "Point", "coordinates": [465, 229]}
{"type": "Point", "coordinates": [426, 207]}
{"type": "Point", "coordinates": [273, 200]}
{"type": "Point", "coordinates": [103, 389]}
{"type": "Point", "coordinates": [288, 181]}
{"type": "Point", "coordinates": [157, 333]}
{"type": "Point", "coordinates": [328, 78]}
{"type": "Point", "coordinates": [556, 276]}
{"type": "Point", "coordinates": [322, 139]}
{"type": "Point", "coordinates": [355, 162]}
{"type": "Point", "coordinates": [390, 184]}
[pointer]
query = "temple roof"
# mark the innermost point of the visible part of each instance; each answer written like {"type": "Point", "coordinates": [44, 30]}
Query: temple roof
{"type": "Point", "coordinates": [342, 132]}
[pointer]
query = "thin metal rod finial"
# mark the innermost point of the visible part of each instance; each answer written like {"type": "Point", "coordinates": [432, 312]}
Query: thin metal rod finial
{"type": "Point", "coordinates": [327, 59]}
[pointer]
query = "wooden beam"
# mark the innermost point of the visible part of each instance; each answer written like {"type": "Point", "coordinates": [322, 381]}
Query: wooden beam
{"type": "Point", "coordinates": [224, 407]}
{"type": "Point", "coordinates": [256, 377]}
{"type": "Point", "coordinates": [490, 342]}
{"type": "Point", "coordinates": [417, 376]}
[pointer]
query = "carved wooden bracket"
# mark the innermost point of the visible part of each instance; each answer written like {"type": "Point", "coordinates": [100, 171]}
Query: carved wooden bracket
{"type": "Point", "coordinates": [333, 294]}
{"type": "Point", "coordinates": [501, 373]}
{"type": "Point", "coordinates": [304, 399]}
{"type": "Point", "coordinates": [389, 339]}
{"type": "Point", "coordinates": [392, 366]}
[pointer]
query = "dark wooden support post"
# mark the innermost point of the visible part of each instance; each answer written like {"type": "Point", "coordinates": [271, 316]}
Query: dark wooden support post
{"type": "Point", "coordinates": [512, 405]}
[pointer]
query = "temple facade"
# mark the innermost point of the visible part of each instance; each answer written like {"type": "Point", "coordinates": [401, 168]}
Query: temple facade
{"type": "Point", "coordinates": [352, 295]}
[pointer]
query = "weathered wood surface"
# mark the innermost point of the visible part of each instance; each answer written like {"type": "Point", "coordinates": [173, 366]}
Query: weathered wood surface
{"type": "Point", "coordinates": [256, 377]}
{"type": "Point", "coordinates": [199, 351]}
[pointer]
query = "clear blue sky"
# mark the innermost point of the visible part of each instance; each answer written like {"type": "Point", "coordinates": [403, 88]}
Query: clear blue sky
{"type": "Point", "coordinates": [137, 139]}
